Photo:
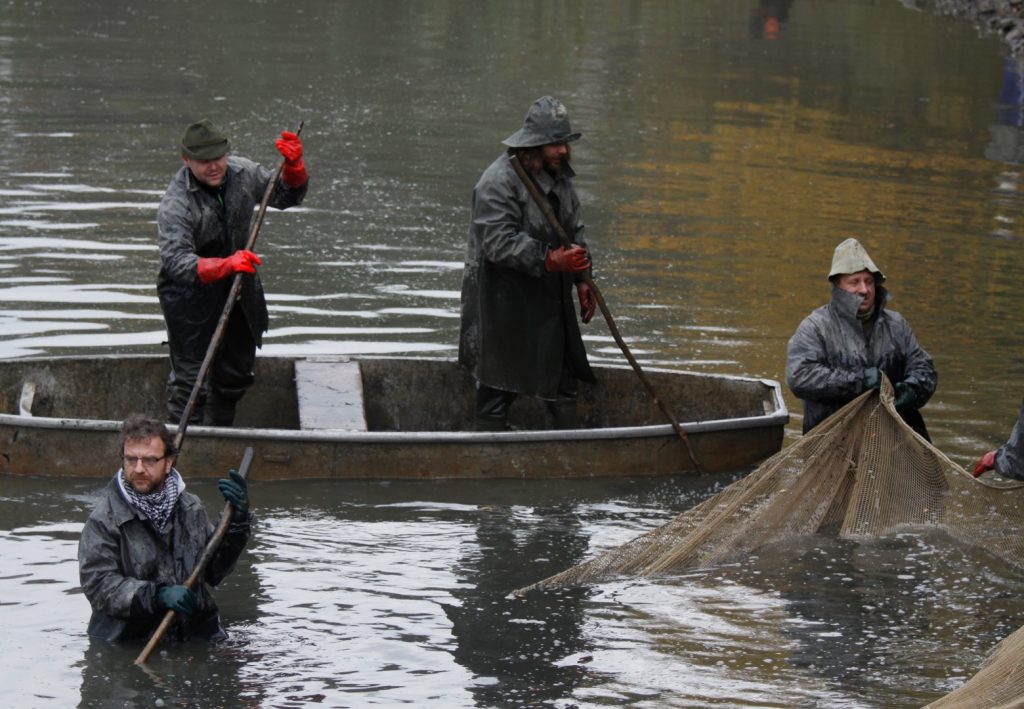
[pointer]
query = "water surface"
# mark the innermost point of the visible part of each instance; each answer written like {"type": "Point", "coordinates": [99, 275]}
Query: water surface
{"type": "Point", "coordinates": [728, 147]}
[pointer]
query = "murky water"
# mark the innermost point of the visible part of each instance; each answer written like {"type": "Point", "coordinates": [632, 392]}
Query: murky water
{"type": "Point", "coordinates": [728, 146]}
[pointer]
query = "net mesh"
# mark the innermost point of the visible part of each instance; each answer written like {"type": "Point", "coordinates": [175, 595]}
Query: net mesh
{"type": "Point", "coordinates": [862, 473]}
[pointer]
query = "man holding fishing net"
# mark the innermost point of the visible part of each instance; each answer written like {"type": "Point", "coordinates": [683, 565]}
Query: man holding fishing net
{"type": "Point", "coordinates": [519, 334]}
{"type": "Point", "coordinates": [1008, 459]}
{"type": "Point", "coordinates": [203, 222]}
{"type": "Point", "coordinates": [841, 349]}
{"type": "Point", "coordinates": [144, 537]}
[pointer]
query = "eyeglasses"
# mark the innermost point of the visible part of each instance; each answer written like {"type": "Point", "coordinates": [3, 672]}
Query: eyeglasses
{"type": "Point", "coordinates": [130, 461]}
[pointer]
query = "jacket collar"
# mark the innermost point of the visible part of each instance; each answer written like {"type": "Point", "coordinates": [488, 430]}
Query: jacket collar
{"type": "Point", "coordinates": [123, 512]}
{"type": "Point", "coordinates": [846, 304]}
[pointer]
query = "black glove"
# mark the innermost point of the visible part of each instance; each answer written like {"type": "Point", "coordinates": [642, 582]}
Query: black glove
{"type": "Point", "coordinates": [236, 492]}
{"type": "Point", "coordinates": [180, 599]}
{"type": "Point", "coordinates": [872, 378]}
{"type": "Point", "coordinates": [905, 396]}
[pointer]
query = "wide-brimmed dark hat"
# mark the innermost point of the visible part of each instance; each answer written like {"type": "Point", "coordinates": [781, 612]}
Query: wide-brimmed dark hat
{"type": "Point", "coordinates": [546, 122]}
{"type": "Point", "coordinates": [204, 141]}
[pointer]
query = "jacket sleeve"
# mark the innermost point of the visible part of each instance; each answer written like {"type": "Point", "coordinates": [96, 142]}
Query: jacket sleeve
{"type": "Point", "coordinates": [497, 216]}
{"type": "Point", "coordinates": [919, 370]}
{"type": "Point", "coordinates": [177, 240]}
{"type": "Point", "coordinates": [230, 549]}
{"type": "Point", "coordinates": [810, 375]}
{"type": "Point", "coordinates": [1010, 456]}
{"type": "Point", "coordinates": [258, 177]}
{"type": "Point", "coordinates": [103, 582]}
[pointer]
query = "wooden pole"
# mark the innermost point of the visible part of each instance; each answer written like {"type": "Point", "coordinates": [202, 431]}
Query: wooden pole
{"type": "Point", "coordinates": [566, 242]}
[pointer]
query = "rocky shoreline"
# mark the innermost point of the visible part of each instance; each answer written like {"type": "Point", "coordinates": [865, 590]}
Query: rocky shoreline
{"type": "Point", "coordinates": [1002, 18]}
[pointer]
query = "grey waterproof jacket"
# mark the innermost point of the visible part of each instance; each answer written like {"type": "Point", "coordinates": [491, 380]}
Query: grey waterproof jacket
{"type": "Point", "coordinates": [123, 561]}
{"type": "Point", "coordinates": [1010, 456]}
{"type": "Point", "coordinates": [519, 320]}
{"type": "Point", "coordinates": [191, 223]}
{"type": "Point", "coordinates": [829, 352]}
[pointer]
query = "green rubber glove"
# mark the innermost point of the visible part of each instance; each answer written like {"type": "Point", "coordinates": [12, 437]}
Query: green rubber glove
{"type": "Point", "coordinates": [872, 378]}
{"type": "Point", "coordinates": [235, 491]}
{"type": "Point", "coordinates": [904, 398]}
{"type": "Point", "coordinates": [180, 599]}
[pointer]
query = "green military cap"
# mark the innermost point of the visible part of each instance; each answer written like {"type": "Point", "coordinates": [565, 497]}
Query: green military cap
{"type": "Point", "coordinates": [204, 141]}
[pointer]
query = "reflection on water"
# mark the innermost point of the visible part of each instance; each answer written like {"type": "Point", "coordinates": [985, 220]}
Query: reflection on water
{"type": "Point", "coordinates": [728, 145]}
{"type": "Point", "coordinates": [368, 594]}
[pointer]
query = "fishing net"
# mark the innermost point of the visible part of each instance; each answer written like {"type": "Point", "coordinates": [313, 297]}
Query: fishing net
{"type": "Point", "coordinates": [862, 473]}
{"type": "Point", "coordinates": [998, 684]}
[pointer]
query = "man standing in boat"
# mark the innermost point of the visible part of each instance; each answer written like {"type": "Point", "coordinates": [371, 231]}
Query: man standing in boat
{"type": "Point", "coordinates": [145, 536]}
{"type": "Point", "coordinates": [841, 349]}
{"type": "Point", "coordinates": [519, 334]}
{"type": "Point", "coordinates": [203, 223]}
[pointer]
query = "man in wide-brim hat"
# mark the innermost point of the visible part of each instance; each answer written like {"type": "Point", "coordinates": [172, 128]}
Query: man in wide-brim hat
{"type": "Point", "coordinates": [841, 349]}
{"type": "Point", "coordinates": [519, 334]}
{"type": "Point", "coordinates": [203, 224]}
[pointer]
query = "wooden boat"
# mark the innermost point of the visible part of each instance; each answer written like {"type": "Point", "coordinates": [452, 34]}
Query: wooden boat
{"type": "Point", "coordinates": [383, 418]}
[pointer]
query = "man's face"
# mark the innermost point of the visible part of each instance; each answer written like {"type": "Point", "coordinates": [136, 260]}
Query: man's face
{"type": "Point", "coordinates": [861, 283]}
{"type": "Point", "coordinates": [209, 172]}
{"type": "Point", "coordinates": [145, 465]}
{"type": "Point", "coordinates": [555, 156]}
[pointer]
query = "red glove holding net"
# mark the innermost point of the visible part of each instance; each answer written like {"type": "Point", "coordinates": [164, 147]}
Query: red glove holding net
{"type": "Point", "coordinates": [985, 463]}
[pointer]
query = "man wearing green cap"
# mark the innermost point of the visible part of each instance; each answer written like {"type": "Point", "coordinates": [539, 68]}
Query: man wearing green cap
{"type": "Point", "coordinates": [841, 349]}
{"type": "Point", "coordinates": [203, 223]}
{"type": "Point", "coordinates": [519, 334]}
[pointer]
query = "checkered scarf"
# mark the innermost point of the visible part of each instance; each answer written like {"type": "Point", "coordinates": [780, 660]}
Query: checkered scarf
{"type": "Point", "coordinates": [156, 506]}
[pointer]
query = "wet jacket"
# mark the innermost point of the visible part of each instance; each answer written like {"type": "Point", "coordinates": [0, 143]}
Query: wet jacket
{"type": "Point", "coordinates": [518, 320]}
{"type": "Point", "coordinates": [123, 560]}
{"type": "Point", "coordinates": [829, 352]}
{"type": "Point", "coordinates": [1010, 456]}
{"type": "Point", "coordinates": [191, 223]}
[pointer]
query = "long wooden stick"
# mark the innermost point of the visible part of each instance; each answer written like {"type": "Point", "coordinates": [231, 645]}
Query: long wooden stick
{"type": "Point", "coordinates": [565, 241]}
{"type": "Point", "coordinates": [222, 324]}
{"type": "Point", "coordinates": [212, 545]}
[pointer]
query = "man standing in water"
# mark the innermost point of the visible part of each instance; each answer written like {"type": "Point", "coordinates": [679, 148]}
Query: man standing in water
{"type": "Point", "coordinates": [519, 333]}
{"type": "Point", "coordinates": [203, 223]}
{"type": "Point", "coordinates": [144, 538]}
{"type": "Point", "coordinates": [841, 349]}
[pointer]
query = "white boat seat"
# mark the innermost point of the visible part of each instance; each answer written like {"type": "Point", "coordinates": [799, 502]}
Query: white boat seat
{"type": "Point", "coordinates": [330, 395]}
{"type": "Point", "coordinates": [28, 396]}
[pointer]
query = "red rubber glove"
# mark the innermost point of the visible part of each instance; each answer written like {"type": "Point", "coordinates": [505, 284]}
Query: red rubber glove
{"type": "Point", "coordinates": [294, 172]}
{"type": "Point", "coordinates": [571, 260]}
{"type": "Point", "coordinates": [985, 462]}
{"type": "Point", "coordinates": [214, 269]}
{"type": "Point", "coordinates": [588, 303]}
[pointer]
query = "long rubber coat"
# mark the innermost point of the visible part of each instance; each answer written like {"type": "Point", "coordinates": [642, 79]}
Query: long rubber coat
{"type": "Point", "coordinates": [828, 353]}
{"type": "Point", "coordinates": [518, 319]}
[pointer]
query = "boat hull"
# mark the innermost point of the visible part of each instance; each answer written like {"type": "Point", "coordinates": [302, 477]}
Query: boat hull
{"type": "Point", "coordinates": [417, 414]}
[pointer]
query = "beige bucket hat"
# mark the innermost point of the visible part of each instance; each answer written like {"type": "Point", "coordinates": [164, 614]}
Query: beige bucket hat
{"type": "Point", "coordinates": [851, 257]}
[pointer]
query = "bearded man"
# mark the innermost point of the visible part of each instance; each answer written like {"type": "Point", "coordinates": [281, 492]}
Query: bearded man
{"type": "Point", "coordinates": [519, 334]}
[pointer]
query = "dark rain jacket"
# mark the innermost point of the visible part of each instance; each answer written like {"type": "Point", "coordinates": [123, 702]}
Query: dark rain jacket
{"type": "Point", "coordinates": [1010, 456]}
{"type": "Point", "coordinates": [191, 223]}
{"type": "Point", "coordinates": [123, 560]}
{"type": "Point", "coordinates": [829, 352]}
{"type": "Point", "coordinates": [519, 320]}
